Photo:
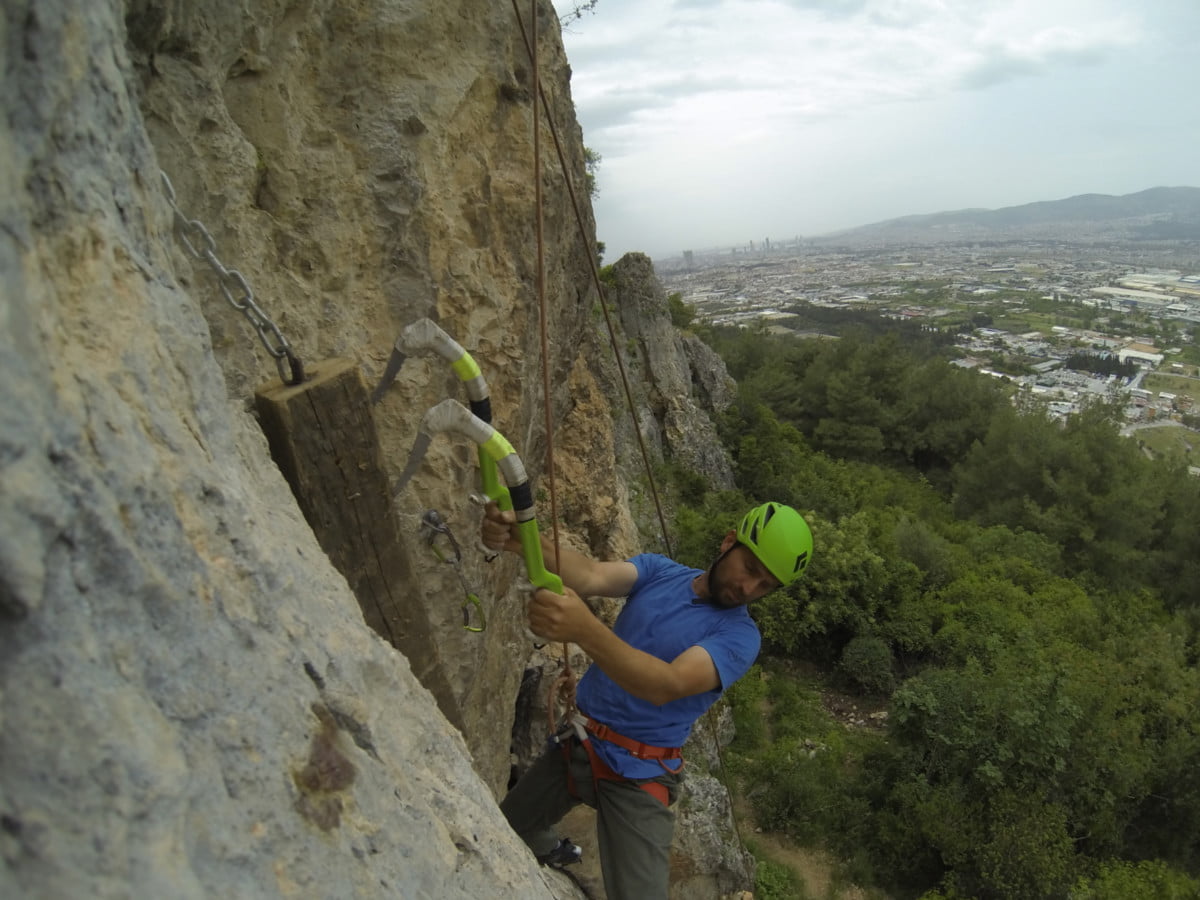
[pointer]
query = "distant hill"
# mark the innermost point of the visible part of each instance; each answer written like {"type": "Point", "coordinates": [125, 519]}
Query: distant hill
{"type": "Point", "coordinates": [1157, 214]}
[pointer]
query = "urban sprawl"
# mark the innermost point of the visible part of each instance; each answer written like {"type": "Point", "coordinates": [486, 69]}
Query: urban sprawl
{"type": "Point", "coordinates": [1028, 308]}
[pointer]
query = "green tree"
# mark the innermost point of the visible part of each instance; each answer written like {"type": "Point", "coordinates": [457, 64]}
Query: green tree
{"type": "Point", "coordinates": [682, 314]}
{"type": "Point", "coordinates": [1145, 880]}
{"type": "Point", "coordinates": [1080, 484]}
{"type": "Point", "coordinates": [591, 161]}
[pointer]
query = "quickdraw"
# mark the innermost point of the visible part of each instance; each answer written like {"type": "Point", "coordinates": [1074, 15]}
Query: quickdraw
{"type": "Point", "coordinates": [432, 525]}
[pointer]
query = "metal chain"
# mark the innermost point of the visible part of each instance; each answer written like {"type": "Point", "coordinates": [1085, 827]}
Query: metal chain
{"type": "Point", "coordinates": [191, 232]}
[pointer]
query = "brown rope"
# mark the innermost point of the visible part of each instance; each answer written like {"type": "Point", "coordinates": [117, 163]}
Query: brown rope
{"type": "Point", "coordinates": [567, 678]}
{"type": "Point", "coordinates": [564, 685]}
{"type": "Point", "coordinates": [595, 271]}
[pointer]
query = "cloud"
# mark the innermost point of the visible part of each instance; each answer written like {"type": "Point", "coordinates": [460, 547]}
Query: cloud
{"type": "Point", "coordinates": [754, 61]}
{"type": "Point", "coordinates": [757, 108]}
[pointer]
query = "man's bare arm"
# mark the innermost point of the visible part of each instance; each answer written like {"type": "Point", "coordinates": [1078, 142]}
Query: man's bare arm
{"type": "Point", "coordinates": [564, 617]}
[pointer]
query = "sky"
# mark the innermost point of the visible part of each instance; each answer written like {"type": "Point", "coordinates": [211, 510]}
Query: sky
{"type": "Point", "coordinates": [725, 122]}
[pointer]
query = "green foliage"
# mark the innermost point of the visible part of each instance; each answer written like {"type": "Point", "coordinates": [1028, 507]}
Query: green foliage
{"type": "Point", "coordinates": [699, 529]}
{"type": "Point", "coordinates": [867, 663]}
{"type": "Point", "coordinates": [775, 881]}
{"type": "Point", "coordinates": [747, 701]}
{"type": "Point", "coordinates": [1115, 514]}
{"type": "Point", "coordinates": [1146, 880]}
{"type": "Point", "coordinates": [1106, 364]}
{"type": "Point", "coordinates": [682, 314]}
{"type": "Point", "coordinates": [801, 790]}
{"type": "Point", "coordinates": [937, 557]}
{"type": "Point", "coordinates": [686, 485]}
{"type": "Point", "coordinates": [1021, 852]}
{"type": "Point", "coordinates": [871, 401]}
{"type": "Point", "coordinates": [844, 592]}
{"type": "Point", "coordinates": [591, 162]}
{"type": "Point", "coordinates": [795, 710]}
{"type": "Point", "coordinates": [1024, 589]}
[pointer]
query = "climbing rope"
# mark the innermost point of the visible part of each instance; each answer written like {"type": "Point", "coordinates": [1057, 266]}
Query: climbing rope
{"type": "Point", "coordinates": [564, 686]}
{"type": "Point", "coordinates": [595, 273]}
{"type": "Point", "coordinates": [531, 49]}
{"type": "Point", "coordinates": [198, 241]}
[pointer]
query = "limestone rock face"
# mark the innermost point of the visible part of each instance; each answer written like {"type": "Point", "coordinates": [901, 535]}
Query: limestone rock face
{"type": "Point", "coordinates": [191, 706]}
{"type": "Point", "coordinates": [680, 384]}
{"type": "Point", "coordinates": [190, 702]}
{"type": "Point", "coordinates": [708, 858]}
{"type": "Point", "coordinates": [365, 164]}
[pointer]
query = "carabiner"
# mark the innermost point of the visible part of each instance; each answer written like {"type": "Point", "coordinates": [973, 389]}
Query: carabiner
{"type": "Point", "coordinates": [432, 525]}
{"type": "Point", "coordinates": [473, 600]}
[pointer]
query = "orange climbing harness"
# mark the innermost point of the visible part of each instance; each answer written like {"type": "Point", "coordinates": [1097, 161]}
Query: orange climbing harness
{"type": "Point", "coordinates": [583, 728]}
{"type": "Point", "coordinates": [635, 748]}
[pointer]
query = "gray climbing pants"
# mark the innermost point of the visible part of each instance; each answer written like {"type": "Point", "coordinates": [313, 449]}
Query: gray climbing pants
{"type": "Point", "coordinates": [633, 828]}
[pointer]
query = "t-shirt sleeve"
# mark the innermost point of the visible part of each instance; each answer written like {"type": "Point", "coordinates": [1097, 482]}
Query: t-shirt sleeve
{"type": "Point", "coordinates": [733, 650]}
{"type": "Point", "coordinates": [648, 565]}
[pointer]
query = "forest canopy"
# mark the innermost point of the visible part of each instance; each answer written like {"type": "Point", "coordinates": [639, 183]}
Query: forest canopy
{"type": "Point", "coordinates": [1023, 594]}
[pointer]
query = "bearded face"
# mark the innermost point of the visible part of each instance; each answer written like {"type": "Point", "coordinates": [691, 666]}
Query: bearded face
{"type": "Point", "coordinates": [737, 577]}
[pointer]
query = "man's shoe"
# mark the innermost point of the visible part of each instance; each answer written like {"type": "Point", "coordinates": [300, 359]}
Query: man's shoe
{"type": "Point", "coordinates": [564, 854]}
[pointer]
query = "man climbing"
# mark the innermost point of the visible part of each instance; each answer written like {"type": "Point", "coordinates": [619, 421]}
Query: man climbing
{"type": "Point", "coordinates": [683, 637]}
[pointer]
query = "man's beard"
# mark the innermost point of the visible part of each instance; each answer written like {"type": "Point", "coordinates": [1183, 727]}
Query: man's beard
{"type": "Point", "coordinates": [720, 593]}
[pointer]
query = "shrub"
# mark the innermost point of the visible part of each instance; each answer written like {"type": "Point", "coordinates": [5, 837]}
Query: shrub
{"type": "Point", "coordinates": [867, 662]}
{"type": "Point", "coordinates": [1149, 880]}
{"type": "Point", "coordinates": [775, 881]}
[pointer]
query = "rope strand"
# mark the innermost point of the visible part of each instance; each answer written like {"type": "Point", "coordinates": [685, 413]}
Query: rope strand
{"type": "Point", "coordinates": [565, 684]}
{"type": "Point", "coordinates": [595, 272]}
{"type": "Point", "coordinates": [567, 677]}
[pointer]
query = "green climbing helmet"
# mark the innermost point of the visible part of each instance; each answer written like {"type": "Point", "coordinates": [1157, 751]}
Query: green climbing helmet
{"type": "Point", "coordinates": [779, 537]}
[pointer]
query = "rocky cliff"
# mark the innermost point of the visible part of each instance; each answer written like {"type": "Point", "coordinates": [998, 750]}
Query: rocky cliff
{"type": "Point", "coordinates": [191, 703]}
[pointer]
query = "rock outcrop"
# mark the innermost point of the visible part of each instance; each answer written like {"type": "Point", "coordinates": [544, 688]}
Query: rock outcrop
{"type": "Point", "coordinates": [190, 702]}
{"type": "Point", "coordinates": [681, 381]}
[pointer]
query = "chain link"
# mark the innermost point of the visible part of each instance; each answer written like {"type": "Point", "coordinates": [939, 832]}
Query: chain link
{"type": "Point", "coordinates": [197, 240]}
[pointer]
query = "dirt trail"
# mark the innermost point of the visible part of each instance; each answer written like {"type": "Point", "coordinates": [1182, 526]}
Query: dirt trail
{"type": "Point", "coordinates": [815, 867]}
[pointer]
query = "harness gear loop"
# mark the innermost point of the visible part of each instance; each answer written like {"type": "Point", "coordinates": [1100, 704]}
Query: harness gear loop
{"type": "Point", "coordinates": [432, 525]}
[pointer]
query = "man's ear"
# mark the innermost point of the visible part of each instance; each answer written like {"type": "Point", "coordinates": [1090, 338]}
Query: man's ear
{"type": "Point", "coordinates": [729, 541]}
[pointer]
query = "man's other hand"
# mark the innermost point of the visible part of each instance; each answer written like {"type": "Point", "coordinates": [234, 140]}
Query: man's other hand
{"type": "Point", "coordinates": [499, 530]}
{"type": "Point", "coordinates": [559, 617]}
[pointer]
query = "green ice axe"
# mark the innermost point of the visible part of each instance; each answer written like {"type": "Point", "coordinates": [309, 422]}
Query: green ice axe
{"type": "Point", "coordinates": [425, 336]}
{"type": "Point", "coordinates": [452, 416]}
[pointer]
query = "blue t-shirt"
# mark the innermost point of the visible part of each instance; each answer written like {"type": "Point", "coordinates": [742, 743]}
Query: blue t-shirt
{"type": "Point", "coordinates": [663, 617]}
